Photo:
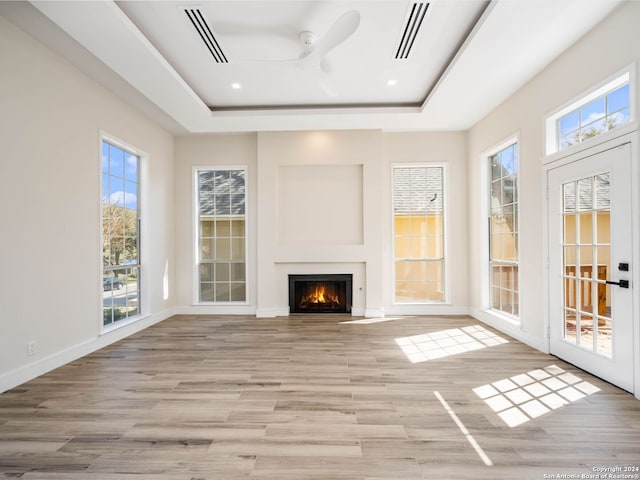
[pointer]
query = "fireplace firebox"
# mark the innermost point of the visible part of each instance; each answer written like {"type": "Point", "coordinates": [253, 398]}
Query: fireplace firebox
{"type": "Point", "coordinates": [320, 293]}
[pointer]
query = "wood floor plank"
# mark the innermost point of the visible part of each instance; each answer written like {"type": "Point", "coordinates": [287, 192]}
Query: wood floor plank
{"type": "Point", "coordinates": [314, 397]}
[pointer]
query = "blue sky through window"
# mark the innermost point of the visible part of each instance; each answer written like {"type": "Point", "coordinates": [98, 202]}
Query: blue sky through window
{"type": "Point", "coordinates": [120, 177]}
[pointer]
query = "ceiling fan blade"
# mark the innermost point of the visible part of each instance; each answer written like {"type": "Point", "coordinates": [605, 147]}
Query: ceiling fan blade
{"type": "Point", "coordinates": [326, 84]}
{"type": "Point", "coordinates": [342, 29]}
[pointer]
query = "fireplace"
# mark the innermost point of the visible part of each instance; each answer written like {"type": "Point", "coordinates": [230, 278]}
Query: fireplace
{"type": "Point", "coordinates": [320, 293]}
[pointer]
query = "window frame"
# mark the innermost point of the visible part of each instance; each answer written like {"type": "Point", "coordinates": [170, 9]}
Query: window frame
{"type": "Point", "coordinates": [196, 235]}
{"type": "Point", "coordinates": [446, 284]}
{"type": "Point", "coordinates": [623, 77]}
{"type": "Point", "coordinates": [487, 180]}
{"type": "Point", "coordinates": [142, 290]}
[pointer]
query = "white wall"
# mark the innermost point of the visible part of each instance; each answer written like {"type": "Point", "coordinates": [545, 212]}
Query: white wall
{"type": "Point", "coordinates": [611, 46]}
{"type": "Point", "coordinates": [51, 119]}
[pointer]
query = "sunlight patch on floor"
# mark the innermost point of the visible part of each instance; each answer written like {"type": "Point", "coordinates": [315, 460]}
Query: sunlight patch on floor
{"type": "Point", "coordinates": [429, 346]}
{"type": "Point", "coordinates": [523, 397]}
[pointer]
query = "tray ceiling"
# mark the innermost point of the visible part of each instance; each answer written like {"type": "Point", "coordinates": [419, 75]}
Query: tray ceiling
{"type": "Point", "coordinates": [221, 66]}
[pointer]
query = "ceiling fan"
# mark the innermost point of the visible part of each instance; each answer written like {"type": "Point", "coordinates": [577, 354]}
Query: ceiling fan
{"type": "Point", "coordinates": [313, 56]}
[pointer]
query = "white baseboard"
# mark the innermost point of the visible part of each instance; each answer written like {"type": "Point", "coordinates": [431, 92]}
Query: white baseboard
{"type": "Point", "coordinates": [510, 328]}
{"type": "Point", "coordinates": [267, 312]}
{"type": "Point", "coordinates": [30, 371]}
{"type": "Point", "coordinates": [374, 312]}
{"type": "Point", "coordinates": [426, 310]}
{"type": "Point", "coordinates": [216, 310]}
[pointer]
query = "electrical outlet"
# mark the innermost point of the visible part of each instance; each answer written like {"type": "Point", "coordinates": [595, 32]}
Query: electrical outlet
{"type": "Point", "coordinates": [31, 347]}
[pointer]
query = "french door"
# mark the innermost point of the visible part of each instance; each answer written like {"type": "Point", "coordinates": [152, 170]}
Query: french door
{"type": "Point", "coordinates": [590, 248]}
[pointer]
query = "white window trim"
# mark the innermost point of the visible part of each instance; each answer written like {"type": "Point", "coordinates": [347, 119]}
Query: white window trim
{"type": "Point", "coordinates": [195, 232]}
{"type": "Point", "coordinates": [484, 243]}
{"type": "Point", "coordinates": [445, 226]}
{"type": "Point", "coordinates": [551, 147]}
{"type": "Point", "coordinates": [143, 196]}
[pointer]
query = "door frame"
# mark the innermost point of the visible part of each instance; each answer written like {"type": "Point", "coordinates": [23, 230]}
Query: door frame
{"type": "Point", "coordinates": [574, 155]}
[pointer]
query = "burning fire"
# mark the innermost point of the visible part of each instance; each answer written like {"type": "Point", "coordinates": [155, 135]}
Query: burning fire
{"type": "Point", "coordinates": [319, 295]}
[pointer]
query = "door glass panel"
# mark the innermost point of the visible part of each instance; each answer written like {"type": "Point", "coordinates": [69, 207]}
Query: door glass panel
{"type": "Point", "coordinates": [570, 324]}
{"type": "Point", "coordinates": [569, 228]}
{"type": "Point", "coordinates": [586, 228]}
{"type": "Point", "coordinates": [603, 227]}
{"type": "Point", "coordinates": [587, 262]}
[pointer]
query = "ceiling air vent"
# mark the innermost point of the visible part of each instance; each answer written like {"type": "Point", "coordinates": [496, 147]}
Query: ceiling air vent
{"type": "Point", "coordinates": [206, 34]}
{"type": "Point", "coordinates": [411, 28]}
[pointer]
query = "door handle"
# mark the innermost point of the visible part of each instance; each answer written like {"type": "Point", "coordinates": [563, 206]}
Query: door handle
{"type": "Point", "coordinates": [621, 283]}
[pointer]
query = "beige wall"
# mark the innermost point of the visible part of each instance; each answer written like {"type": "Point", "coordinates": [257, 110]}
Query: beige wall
{"type": "Point", "coordinates": [51, 119]}
{"type": "Point", "coordinates": [608, 48]}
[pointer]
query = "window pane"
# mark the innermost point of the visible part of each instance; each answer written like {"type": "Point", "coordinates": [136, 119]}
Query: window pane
{"type": "Point", "coordinates": [223, 228]}
{"type": "Point", "coordinates": [403, 247]}
{"type": "Point", "coordinates": [594, 128]}
{"type": "Point", "coordinates": [223, 292]}
{"type": "Point", "coordinates": [207, 292]}
{"type": "Point", "coordinates": [592, 111]}
{"type": "Point", "coordinates": [223, 271]}
{"type": "Point", "coordinates": [618, 118]}
{"type": "Point", "coordinates": [569, 123]}
{"type": "Point", "coordinates": [206, 272]}
{"type": "Point", "coordinates": [569, 197]}
{"type": "Point", "coordinates": [223, 249]}
{"type": "Point", "coordinates": [618, 99]}
{"type": "Point", "coordinates": [237, 181]}
{"type": "Point", "coordinates": [222, 182]}
{"type": "Point", "coordinates": [116, 161]}
{"type": "Point", "coordinates": [603, 228]}
{"type": "Point", "coordinates": [223, 204]}
{"type": "Point", "coordinates": [237, 228]}
{"type": "Point", "coordinates": [585, 194]}
{"type": "Point", "coordinates": [207, 248]}
{"type": "Point", "coordinates": [130, 197]}
{"type": "Point", "coordinates": [237, 248]}
{"type": "Point", "coordinates": [238, 292]}
{"type": "Point", "coordinates": [237, 272]}
{"type": "Point", "coordinates": [206, 228]}
{"type": "Point", "coordinates": [603, 191]}
{"type": "Point", "coordinates": [237, 204]}
{"type": "Point", "coordinates": [131, 168]}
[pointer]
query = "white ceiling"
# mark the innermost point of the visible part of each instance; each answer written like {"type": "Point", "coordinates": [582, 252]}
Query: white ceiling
{"type": "Point", "coordinates": [467, 57]}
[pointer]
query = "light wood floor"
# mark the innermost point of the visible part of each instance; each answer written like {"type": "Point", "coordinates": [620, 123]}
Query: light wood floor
{"type": "Point", "coordinates": [203, 397]}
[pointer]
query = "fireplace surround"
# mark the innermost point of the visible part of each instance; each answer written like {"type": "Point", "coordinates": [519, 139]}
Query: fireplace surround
{"type": "Point", "coordinates": [320, 293]}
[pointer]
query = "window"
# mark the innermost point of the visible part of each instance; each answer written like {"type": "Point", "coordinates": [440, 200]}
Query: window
{"type": "Point", "coordinates": [604, 109]}
{"type": "Point", "coordinates": [503, 230]}
{"type": "Point", "coordinates": [418, 224]}
{"type": "Point", "coordinates": [221, 258]}
{"type": "Point", "coordinates": [120, 233]}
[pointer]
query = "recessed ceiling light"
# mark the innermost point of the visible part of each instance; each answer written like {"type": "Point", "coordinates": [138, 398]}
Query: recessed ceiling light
{"type": "Point", "coordinates": [236, 86]}
{"type": "Point", "coordinates": [392, 82]}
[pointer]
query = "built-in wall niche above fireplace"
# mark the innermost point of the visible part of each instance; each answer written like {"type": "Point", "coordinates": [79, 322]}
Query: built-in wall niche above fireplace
{"type": "Point", "coordinates": [322, 293]}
